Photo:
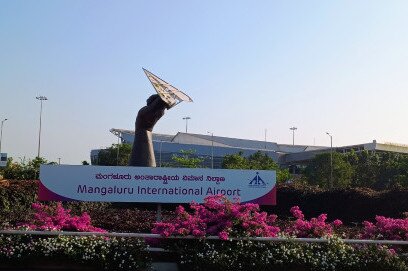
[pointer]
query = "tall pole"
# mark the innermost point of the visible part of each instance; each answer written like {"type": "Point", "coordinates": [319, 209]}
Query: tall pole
{"type": "Point", "coordinates": [1, 133]}
{"type": "Point", "coordinates": [41, 99]}
{"type": "Point", "coordinates": [293, 134]}
{"type": "Point", "coordinates": [331, 160]}
{"type": "Point", "coordinates": [160, 153]}
{"type": "Point", "coordinates": [117, 152]}
{"type": "Point", "coordinates": [212, 149]}
{"type": "Point", "coordinates": [186, 119]}
{"type": "Point", "coordinates": [265, 138]}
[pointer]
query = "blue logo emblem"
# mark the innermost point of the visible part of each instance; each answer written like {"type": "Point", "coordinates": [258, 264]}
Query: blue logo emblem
{"type": "Point", "coordinates": [257, 181]}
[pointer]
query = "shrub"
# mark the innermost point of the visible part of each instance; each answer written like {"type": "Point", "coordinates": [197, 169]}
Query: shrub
{"type": "Point", "coordinates": [106, 253]}
{"type": "Point", "coordinates": [16, 198]}
{"type": "Point", "coordinates": [58, 218]}
{"type": "Point", "coordinates": [119, 217]}
{"type": "Point", "coordinates": [315, 227]}
{"type": "Point", "coordinates": [24, 170]}
{"type": "Point", "coordinates": [351, 206]}
{"type": "Point", "coordinates": [249, 255]}
{"type": "Point", "coordinates": [125, 219]}
{"type": "Point", "coordinates": [219, 216]}
{"type": "Point", "coordinates": [348, 205]}
{"type": "Point", "coordinates": [386, 228]}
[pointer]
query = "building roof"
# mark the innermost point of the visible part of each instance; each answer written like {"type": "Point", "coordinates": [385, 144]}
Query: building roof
{"type": "Point", "coordinates": [284, 154]}
{"type": "Point", "coordinates": [219, 141]}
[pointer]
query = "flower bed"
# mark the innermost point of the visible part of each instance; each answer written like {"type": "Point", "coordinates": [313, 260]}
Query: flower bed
{"type": "Point", "coordinates": [58, 218]}
{"type": "Point", "coordinates": [246, 255]}
{"type": "Point", "coordinates": [225, 218]}
{"type": "Point", "coordinates": [217, 216]}
{"type": "Point", "coordinates": [94, 252]}
{"type": "Point", "coordinates": [386, 228]}
{"type": "Point", "coordinates": [70, 251]}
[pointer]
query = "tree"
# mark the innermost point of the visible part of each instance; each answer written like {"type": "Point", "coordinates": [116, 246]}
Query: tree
{"type": "Point", "coordinates": [24, 170]}
{"type": "Point", "coordinates": [261, 161]}
{"type": "Point", "coordinates": [235, 161]}
{"type": "Point", "coordinates": [393, 170]}
{"type": "Point", "coordinates": [366, 166]}
{"type": "Point", "coordinates": [109, 156]}
{"type": "Point", "coordinates": [85, 163]}
{"type": "Point", "coordinates": [186, 159]}
{"type": "Point", "coordinates": [402, 178]}
{"type": "Point", "coordinates": [318, 171]}
{"type": "Point", "coordinates": [378, 169]}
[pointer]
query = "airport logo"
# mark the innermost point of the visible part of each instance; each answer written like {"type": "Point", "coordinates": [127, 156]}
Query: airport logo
{"type": "Point", "coordinates": [257, 181]}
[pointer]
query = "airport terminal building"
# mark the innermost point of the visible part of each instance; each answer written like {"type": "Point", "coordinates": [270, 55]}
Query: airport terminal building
{"type": "Point", "coordinates": [208, 148]}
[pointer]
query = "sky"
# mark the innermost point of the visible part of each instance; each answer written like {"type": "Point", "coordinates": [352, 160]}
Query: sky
{"type": "Point", "coordinates": [250, 66]}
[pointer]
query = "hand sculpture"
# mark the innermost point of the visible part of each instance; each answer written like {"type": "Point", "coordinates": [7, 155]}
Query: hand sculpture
{"type": "Point", "coordinates": [142, 150]}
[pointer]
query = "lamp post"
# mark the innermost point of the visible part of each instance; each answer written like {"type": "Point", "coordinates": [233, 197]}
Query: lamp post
{"type": "Point", "coordinates": [1, 133]}
{"type": "Point", "coordinates": [186, 119]}
{"type": "Point", "coordinates": [331, 159]}
{"type": "Point", "coordinates": [41, 99]}
{"type": "Point", "coordinates": [265, 138]}
{"type": "Point", "coordinates": [160, 153]}
{"type": "Point", "coordinates": [212, 149]}
{"type": "Point", "coordinates": [117, 151]}
{"type": "Point", "coordinates": [293, 134]}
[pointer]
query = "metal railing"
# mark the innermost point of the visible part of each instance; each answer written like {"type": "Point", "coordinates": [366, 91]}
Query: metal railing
{"type": "Point", "coordinates": [158, 236]}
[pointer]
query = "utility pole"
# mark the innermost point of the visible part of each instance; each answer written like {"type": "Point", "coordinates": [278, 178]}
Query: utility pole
{"type": "Point", "coordinates": [41, 99]}
{"type": "Point", "coordinates": [186, 119]}
{"type": "Point", "coordinates": [117, 151]}
{"type": "Point", "coordinates": [331, 160]}
{"type": "Point", "coordinates": [160, 153]}
{"type": "Point", "coordinates": [293, 134]}
{"type": "Point", "coordinates": [212, 149]}
{"type": "Point", "coordinates": [265, 138]}
{"type": "Point", "coordinates": [1, 133]}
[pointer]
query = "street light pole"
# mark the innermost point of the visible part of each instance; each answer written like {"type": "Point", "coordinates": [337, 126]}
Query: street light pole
{"type": "Point", "coordinates": [212, 149]}
{"type": "Point", "coordinates": [186, 119]}
{"type": "Point", "coordinates": [41, 99]}
{"type": "Point", "coordinates": [1, 133]}
{"type": "Point", "coordinates": [265, 138]}
{"type": "Point", "coordinates": [160, 153]}
{"type": "Point", "coordinates": [293, 134]}
{"type": "Point", "coordinates": [117, 151]}
{"type": "Point", "coordinates": [331, 160]}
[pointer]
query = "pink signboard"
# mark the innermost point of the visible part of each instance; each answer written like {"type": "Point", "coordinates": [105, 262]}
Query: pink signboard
{"type": "Point", "coordinates": [154, 185]}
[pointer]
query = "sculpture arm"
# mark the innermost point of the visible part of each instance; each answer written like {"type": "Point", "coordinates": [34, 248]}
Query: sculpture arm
{"type": "Point", "coordinates": [142, 151]}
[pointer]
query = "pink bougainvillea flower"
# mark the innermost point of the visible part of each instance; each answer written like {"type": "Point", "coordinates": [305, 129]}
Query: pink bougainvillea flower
{"type": "Point", "coordinates": [313, 228]}
{"type": "Point", "coordinates": [58, 218]}
{"type": "Point", "coordinates": [221, 217]}
{"type": "Point", "coordinates": [386, 228]}
{"type": "Point", "coordinates": [223, 235]}
{"type": "Point", "coordinates": [337, 223]}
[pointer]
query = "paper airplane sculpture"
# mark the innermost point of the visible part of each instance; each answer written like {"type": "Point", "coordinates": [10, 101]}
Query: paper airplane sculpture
{"type": "Point", "coordinates": [169, 94]}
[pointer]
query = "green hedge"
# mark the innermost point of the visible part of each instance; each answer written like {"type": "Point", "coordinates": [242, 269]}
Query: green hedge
{"type": "Point", "coordinates": [16, 198]}
{"type": "Point", "coordinates": [349, 205]}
